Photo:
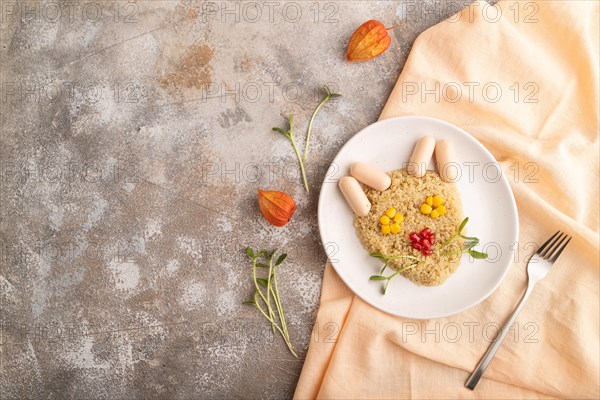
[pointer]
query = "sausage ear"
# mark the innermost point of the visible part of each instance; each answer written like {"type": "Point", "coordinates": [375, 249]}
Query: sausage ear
{"type": "Point", "coordinates": [421, 156]}
{"type": "Point", "coordinates": [370, 176]}
{"type": "Point", "coordinates": [354, 195]}
{"type": "Point", "coordinates": [445, 157]}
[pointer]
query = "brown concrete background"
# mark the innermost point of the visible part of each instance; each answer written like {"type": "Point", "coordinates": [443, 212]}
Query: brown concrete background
{"type": "Point", "coordinates": [134, 137]}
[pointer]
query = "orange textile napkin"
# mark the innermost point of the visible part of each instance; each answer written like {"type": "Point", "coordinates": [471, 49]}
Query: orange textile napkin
{"type": "Point", "coordinates": [526, 86]}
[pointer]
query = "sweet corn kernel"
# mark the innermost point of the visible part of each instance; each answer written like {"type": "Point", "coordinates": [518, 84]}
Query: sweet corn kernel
{"type": "Point", "coordinates": [398, 218]}
{"type": "Point", "coordinates": [441, 209]}
{"type": "Point", "coordinates": [437, 201]}
{"type": "Point", "coordinates": [429, 200]}
{"type": "Point", "coordinates": [385, 220]}
{"type": "Point", "coordinates": [425, 208]}
{"type": "Point", "coordinates": [385, 229]}
{"type": "Point", "coordinates": [391, 212]}
{"type": "Point", "coordinates": [434, 214]}
{"type": "Point", "coordinates": [395, 228]}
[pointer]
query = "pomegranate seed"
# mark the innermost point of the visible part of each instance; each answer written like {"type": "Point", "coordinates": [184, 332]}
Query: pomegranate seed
{"type": "Point", "coordinates": [431, 238]}
{"type": "Point", "coordinates": [414, 237]}
{"type": "Point", "coordinates": [425, 243]}
{"type": "Point", "coordinates": [427, 252]}
{"type": "Point", "coordinates": [425, 232]}
{"type": "Point", "coordinates": [416, 246]}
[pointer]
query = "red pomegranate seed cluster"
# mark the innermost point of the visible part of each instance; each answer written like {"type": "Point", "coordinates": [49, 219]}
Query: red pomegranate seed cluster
{"type": "Point", "coordinates": [423, 241]}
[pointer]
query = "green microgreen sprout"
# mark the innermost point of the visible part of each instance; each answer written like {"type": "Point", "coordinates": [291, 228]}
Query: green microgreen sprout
{"type": "Point", "coordinates": [268, 300]}
{"type": "Point", "coordinates": [290, 135]}
{"type": "Point", "coordinates": [330, 95]}
{"type": "Point", "coordinates": [470, 242]}
{"type": "Point", "coordinates": [387, 259]}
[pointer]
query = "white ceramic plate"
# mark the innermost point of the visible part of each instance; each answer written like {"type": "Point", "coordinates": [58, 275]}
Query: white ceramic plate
{"type": "Point", "coordinates": [487, 201]}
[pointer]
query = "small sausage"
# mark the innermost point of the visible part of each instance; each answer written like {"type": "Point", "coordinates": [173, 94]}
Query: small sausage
{"type": "Point", "coordinates": [370, 176]}
{"type": "Point", "coordinates": [421, 156]}
{"type": "Point", "coordinates": [356, 198]}
{"type": "Point", "coordinates": [446, 160]}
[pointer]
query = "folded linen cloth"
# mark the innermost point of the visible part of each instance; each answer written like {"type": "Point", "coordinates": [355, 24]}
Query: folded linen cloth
{"type": "Point", "coordinates": [525, 84]}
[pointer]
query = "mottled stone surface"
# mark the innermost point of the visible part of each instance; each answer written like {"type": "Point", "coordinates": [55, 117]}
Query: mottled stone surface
{"type": "Point", "coordinates": [134, 137]}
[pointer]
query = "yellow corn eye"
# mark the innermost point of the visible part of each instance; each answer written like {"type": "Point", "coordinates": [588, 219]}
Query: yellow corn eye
{"type": "Point", "coordinates": [441, 210]}
{"type": "Point", "coordinates": [390, 221]}
{"type": "Point", "coordinates": [425, 208]}
{"type": "Point", "coordinates": [434, 214]}
{"type": "Point", "coordinates": [429, 201]}
{"type": "Point", "coordinates": [437, 201]}
{"type": "Point", "coordinates": [385, 220]}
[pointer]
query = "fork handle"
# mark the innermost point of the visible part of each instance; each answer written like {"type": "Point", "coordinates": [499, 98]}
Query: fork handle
{"type": "Point", "coordinates": [491, 351]}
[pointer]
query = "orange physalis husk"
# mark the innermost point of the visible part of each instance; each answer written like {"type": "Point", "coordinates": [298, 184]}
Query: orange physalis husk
{"type": "Point", "coordinates": [276, 207]}
{"type": "Point", "coordinates": [368, 41]}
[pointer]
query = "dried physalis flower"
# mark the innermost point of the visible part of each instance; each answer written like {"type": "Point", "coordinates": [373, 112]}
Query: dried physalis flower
{"type": "Point", "coordinates": [276, 207]}
{"type": "Point", "coordinates": [368, 41]}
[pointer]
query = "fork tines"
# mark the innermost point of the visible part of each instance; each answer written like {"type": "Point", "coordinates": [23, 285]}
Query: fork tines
{"type": "Point", "coordinates": [554, 246]}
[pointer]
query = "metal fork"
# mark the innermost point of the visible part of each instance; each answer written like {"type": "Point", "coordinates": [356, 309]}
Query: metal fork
{"type": "Point", "coordinates": [537, 268]}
